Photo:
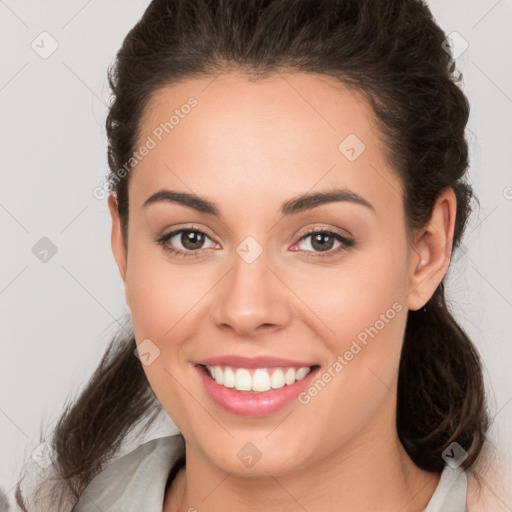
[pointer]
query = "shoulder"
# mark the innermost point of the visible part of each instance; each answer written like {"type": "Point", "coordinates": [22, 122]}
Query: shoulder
{"type": "Point", "coordinates": [135, 480]}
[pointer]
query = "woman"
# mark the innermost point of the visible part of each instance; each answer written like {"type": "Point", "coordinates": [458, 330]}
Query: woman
{"type": "Point", "coordinates": [287, 187]}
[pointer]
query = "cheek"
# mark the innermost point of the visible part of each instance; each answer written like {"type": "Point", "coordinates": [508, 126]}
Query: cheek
{"type": "Point", "coordinates": [161, 297]}
{"type": "Point", "coordinates": [348, 300]}
{"type": "Point", "coordinates": [160, 294]}
{"type": "Point", "coordinates": [360, 312]}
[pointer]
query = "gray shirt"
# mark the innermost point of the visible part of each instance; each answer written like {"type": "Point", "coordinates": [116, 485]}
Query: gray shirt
{"type": "Point", "coordinates": [136, 482]}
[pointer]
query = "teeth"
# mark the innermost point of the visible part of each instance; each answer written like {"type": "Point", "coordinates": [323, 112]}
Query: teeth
{"type": "Point", "coordinates": [218, 375]}
{"type": "Point", "coordinates": [289, 376]}
{"type": "Point", "coordinates": [228, 378]}
{"type": "Point", "coordinates": [243, 380]}
{"type": "Point", "coordinates": [258, 380]}
{"type": "Point", "coordinates": [277, 379]}
{"type": "Point", "coordinates": [301, 373]}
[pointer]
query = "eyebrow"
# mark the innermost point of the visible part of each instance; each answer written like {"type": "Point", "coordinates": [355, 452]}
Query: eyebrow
{"type": "Point", "coordinates": [292, 206]}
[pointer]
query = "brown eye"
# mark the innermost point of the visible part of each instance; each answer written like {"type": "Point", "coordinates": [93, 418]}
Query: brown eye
{"type": "Point", "coordinates": [191, 241]}
{"type": "Point", "coordinates": [323, 241]}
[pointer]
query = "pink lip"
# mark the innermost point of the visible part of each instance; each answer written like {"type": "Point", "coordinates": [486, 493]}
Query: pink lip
{"type": "Point", "coordinates": [247, 403]}
{"type": "Point", "coordinates": [253, 362]}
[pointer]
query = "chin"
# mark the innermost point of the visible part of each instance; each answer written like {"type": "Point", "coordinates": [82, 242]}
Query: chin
{"type": "Point", "coordinates": [245, 458]}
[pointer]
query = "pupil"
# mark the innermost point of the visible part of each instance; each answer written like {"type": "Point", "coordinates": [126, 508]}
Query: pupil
{"type": "Point", "coordinates": [191, 239]}
{"type": "Point", "coordinates": [320, 239]}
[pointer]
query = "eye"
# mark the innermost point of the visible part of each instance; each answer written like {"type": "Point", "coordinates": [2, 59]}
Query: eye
{"type": "Point", "coordinates": [191, 239]}
{"type": "Point", "coordinates": [322, 241]}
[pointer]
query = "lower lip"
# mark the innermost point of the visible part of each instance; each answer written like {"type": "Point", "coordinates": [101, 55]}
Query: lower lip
{"type": "Point", "coordinates": [245, 403]}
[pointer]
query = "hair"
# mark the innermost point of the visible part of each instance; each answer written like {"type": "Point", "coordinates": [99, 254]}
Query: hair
{"type": "Point", "coordinates": [391, 52]}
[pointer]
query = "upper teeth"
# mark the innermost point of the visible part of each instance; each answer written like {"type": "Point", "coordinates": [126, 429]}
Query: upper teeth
{"type": "Point", "coordinates": [261, 379]}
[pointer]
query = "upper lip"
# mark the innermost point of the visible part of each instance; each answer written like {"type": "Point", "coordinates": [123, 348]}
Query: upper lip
{"type": "Point", "coordinates": [253, 362]}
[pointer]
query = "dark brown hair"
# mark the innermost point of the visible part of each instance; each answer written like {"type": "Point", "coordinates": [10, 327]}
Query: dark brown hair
{"type": "Point", "coordinates": [392, 52]}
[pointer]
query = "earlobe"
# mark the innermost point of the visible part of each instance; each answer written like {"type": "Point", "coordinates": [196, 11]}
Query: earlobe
{"type": "Point", "coordinates": [116, 238]}
{"type": "Point", "coordinates": [432, 251]}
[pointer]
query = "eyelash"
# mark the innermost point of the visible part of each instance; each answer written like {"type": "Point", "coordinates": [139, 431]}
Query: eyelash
{"type": "Point", "coordinates": [346, 243]}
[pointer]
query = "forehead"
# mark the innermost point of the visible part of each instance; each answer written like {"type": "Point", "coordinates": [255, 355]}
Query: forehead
{"type": "Point", "coordinates": [287, 133]}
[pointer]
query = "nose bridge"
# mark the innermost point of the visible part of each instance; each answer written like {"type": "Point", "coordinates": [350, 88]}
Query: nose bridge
{"type": "Point", "coordinates": [251, 295]}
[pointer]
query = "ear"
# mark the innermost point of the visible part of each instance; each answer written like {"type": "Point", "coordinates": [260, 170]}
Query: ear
{"type": "Point", "coordinates": [432, 251]}
{"type": "Point", "coordinates": [116, 237]}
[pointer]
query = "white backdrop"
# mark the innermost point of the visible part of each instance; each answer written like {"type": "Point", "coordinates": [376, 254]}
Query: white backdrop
{"type": "Point", "coordinates": [58, 315]}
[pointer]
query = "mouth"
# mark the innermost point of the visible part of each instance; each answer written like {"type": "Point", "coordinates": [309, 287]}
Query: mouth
{"type": "Point", "coordinates": [255, 391]}
{"type": "Point", "coordinates": [256, 380]}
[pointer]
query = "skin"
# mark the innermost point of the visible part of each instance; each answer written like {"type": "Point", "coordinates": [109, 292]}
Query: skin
{"type": "Point", "coordinates": [248, 147]}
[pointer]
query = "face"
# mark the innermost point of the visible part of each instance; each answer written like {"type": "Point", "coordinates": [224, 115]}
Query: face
{"type": "Point", "coordinates": [254, 273]}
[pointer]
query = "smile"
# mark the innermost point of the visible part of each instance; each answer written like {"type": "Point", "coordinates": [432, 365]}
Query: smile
{"type": "Point", "coordinates": [255, 390]}
{"type": "Point", "coordinates": [256, 380]}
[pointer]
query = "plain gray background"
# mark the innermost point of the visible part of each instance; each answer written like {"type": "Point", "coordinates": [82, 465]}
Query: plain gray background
{"type": "Point", "coordinates": [58, 315]}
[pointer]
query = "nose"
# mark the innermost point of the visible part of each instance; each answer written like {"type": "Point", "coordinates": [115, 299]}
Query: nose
{"type": "Point", "coordinates": [252, 298]}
